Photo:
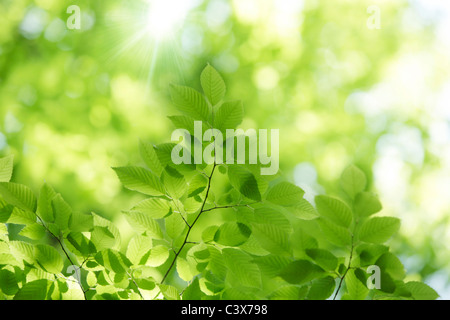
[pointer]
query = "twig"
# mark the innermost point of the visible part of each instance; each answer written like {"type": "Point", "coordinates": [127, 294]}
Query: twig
{"type": "Point", "coordinates": [64, 250]}
{"type": "Point", "coordinates": [192, 225]}
{"type": "Point", "coordinates": [346, 271]}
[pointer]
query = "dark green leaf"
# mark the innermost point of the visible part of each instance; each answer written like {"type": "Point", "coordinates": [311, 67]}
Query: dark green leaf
{"type": "Point", "coordinates": [301, 271]}
{"type": "Point", "coordinates": [34, 290]}
{"type": "Point", "coordinates": [244, 181]}
{"type": "Point", "coordinates": [232, 234]}
{"type": "Point", "coordinates": [8, 282]}
{"type": "Point", "coordinates": [323, 258]}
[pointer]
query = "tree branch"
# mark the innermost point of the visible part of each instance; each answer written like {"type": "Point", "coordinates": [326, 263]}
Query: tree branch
{"type": "Point", "coordinates": [64, 250]}
{"type": "Point", "coordinates": [346, 271]}
{"type": "Point", "coordinates": [192, 225]}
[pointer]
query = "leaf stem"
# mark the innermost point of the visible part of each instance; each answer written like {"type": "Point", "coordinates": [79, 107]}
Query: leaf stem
{"type": "Point", "coordinates": [231, 206]}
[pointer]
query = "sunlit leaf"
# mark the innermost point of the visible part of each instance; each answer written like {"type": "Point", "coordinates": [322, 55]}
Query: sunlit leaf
{"type": "Point", "coordinates": [212, 84]}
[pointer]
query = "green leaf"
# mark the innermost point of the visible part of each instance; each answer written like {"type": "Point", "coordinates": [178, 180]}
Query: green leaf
{"type": "Point", "coordinates": [158, 255]}
{"type": "Point", "coordinates": [80, 222]}
{"type": "Point", "coordinates": [232, 234]}
{"type": "Point", "coordinates": [335, 210]}
{"type": "Point", "coordinates": [184, 122]}
{"type": "Point", "coordinates": [113, 260]}
{"type": "Point", "coordinates": [44, 204]}
{"type": "Point", "coordinates": [175, 225]}
{"type": "Point", "coordinates": [391, 264]}
{"type": "Point", "coordinates": [366, 204]}
{"type": "Point", "coordinates": [174, 182]}
{"type": "Point", "coordinates": [289, 293]}
{"type": "Point", "coordinates": [193, 292]}
{"type": "Point", "coordinates": [209, 233]}
{"type": "Point", "coordinates": [8, 282]}
{"type": "Point", "coordinates": [138, 247]}
{"type": "Point", "coordinates": [212, 84]}
{"type": "Point", "coordinates": [3, 229]}
{"type": "Point", "coordinates": [169, 292]}
{"type": "Point", "coordinates": [142, 223]}
{"type": "Point", "coordinates": [369, 253]}
{"type": "Point", "coordinates": [271, 264]}
{"type": "Point", "coordinates": [33, 231]}
{"type": "Point", "coordinates": [356, 289]}
{"type": "Point", "coordinates": [154, 208]}
{"type": "Point", "coordinates": [301, 271]}
{"type": "Point", "coordinates": [353, 180]}
{"type": "Point", "coordinates": [242, 267]}
{"type": "Point", "coordinates": [148, 154]}
{"type": "Point", "coordinates": [62, 212]}
{"type": "Point", "coordinates": [146, 284]}
{"type": "Point", "coordinates": [164, 153]}
{"type": "Point", "coordinates": [140, 179]}
{"type": "Point", "coordinates": [102, 238]}
{"type": "Point", "coordinates": [335, 234]}
{"type": "Point", "coordinates": [184, 269]}
{"type": "Point", "coordinates": [34, 290]}
{"type": "Point", "coordinates": [267, 215]}
{"type": "Point", "coordinates": [198, 257]}
{"type": "Point", "coordinates": [323, 258]}
{"type": "Point", "coordinates": [272, 238]}
{"type": "Point", "coordinates": [196, 185]}
{"type": "Point", "coordinates": [244, 181]}
{"type": "Point", "coordinates": [6, 168]}
{"type": "Point", "coordinates": [81, 244]}
{"type": "Point", "coordinates": [421, 291]}
{"type": "Point", "coordinates": [102, 222]}
{"type": "Point", "coordinates": [18, 195]}
{"type": "Point", "coordinates": [190, 102]}
{"type": "Point", "coordinates": [229, 115]}
{"type": "Point", "coordinates": [378, 229]}
{"type": "Point", "coordinates": [285, 194]}
{"type": "Point", "coordinates": [22, 251]}
{"type": "Point", "coordinates": [217, 263]}
{"type": "Point", "coordinates": [304, 210]}
{"type": "Point", "coordinates": [6, 211]}
{"type": "Point", "coordinates": [48, 258]}
{"type": "Point", "coordinates": [322, 289]}
{"type": "Point", "coordinates": [301, 240]}
{"type": "Point", "coordinates": [19, 216]}
{"type": "Point", "coordinates": [238, 294]}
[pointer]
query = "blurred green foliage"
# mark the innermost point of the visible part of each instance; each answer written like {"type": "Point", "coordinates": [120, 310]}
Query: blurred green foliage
{"type": "Point", "coordinates": [74, 103]}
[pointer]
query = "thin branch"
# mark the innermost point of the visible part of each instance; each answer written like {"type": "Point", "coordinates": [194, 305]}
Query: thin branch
{"type": "Point", "coordinates": [63, 249]}
{"type": "Point", "coordinates": [134, 282]}
{"type": "Point", "coordinates": [179, 211]}
{"type": "Point", "coordinates": [346, 271]}
{"type": "Point", "coordinates": [191, 226]}
{"type": "Point", "coordinates": [176, 205]}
